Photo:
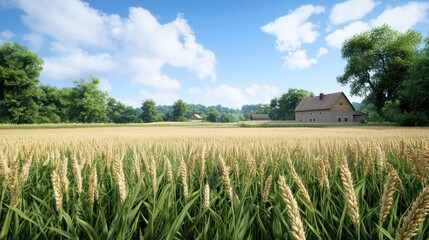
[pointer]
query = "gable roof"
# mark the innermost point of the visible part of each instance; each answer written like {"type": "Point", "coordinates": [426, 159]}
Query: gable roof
{"type": "Point", "coordinates": [195, 117]}
{"type": "Point", "coordinates": [315, 103]}
{"type": "Point", "coordinates": [260, 117]}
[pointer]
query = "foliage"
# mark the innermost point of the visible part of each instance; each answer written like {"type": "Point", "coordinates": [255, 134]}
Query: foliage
{"type": "Point", "coordinates": [282, 108]}
{"type": "Point", "coordinates": [179, 110]}
{"type": "Point", "coordinates": [212, 115]}
{"type": "Point", "coordinates": [149, 113]}
{"type": "Point", "coordinates": [226, 117]}
{"type": "Point", "coordinates": [378, 62]}
{"type": "Point", "coordinates": [19, 73]}
{"type": "Point", "coordinates": [415, 93]}
{"type": "Point", "coordinates": [89, 103]}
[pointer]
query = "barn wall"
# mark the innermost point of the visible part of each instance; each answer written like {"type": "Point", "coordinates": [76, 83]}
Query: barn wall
{"type": "Point", "coordinates": [342, 104]}
{"type": "Point", "coordinates": [324, 116]}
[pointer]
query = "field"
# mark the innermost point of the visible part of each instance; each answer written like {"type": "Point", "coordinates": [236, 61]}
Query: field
{"type": "Point", "coordinates": [220, 182]}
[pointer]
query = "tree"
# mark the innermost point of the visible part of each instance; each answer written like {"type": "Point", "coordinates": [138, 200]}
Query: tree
{"type": "Point", "coordinates": [226, 117]}
{"type": "Point", "coordinates": [19, 73]}
{"type": "Point", "coordinates": [149, 112]}
{"type": "Point", "coordinates": [415, 93]}
{"type": "Point", "coordinates": [377, 63]}
{"type": "Point", "coordinates": [179, 110]}
{"type": "Point", "coordinates": [213, 115]}
{"type": "Point", "coordinates": [88, 102]}
{"type": "Point", "coordinates": [283, 108]}
{"type": "Point", "coordinates": [51, 105]}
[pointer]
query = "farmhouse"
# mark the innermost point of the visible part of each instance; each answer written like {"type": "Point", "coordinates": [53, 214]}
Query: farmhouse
{"type": "Point", "coordinates": [196, 118]}
{"type": "Point", "coordinates": [330, 108]}
{"type": "Point", "coordinates": [259, 117]}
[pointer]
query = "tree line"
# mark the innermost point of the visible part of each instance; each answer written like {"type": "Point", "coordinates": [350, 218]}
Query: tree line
{"type": "Point", "coordinates": [23, 100]}
{"type": "Point", "coordinates": [390, 69]}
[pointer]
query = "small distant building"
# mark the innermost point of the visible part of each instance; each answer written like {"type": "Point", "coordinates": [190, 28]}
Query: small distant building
{"type": "Point", "coordinates": [259, 117]}
{"type": "Point", "coordinates": [328, 108]}
{"type": "Point", "coordinates": [196, 118]}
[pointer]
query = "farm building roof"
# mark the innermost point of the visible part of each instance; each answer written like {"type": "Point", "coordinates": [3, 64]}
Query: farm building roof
{"type": "Point", "coordinates": [195, 117]}
{"type": "Point", "coordinates": [321, 102]}
{"type": "Point", "coordinates": [259, 117]}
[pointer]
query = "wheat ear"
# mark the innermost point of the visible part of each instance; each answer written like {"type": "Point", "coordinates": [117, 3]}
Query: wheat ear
{"type": "Point", "coordinates": [387, 197]}
{"type": "Point", "coordinates": [349, 193]}
{"type": "Point", "coordinates": [291, 209]}
{"type": "Point", "coordinates": [415, 216]}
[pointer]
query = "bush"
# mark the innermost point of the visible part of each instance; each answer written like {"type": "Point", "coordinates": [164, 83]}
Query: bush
{"type": "Point", "coordinates": [413, 119]}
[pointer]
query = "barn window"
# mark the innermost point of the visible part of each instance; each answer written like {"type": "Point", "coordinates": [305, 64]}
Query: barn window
{"type": "Point", "coordinates": [320, 113]}
{"type": "Point", "coordinates": [345, 119]}
{"type": "Point", "coordinates": [341, 104]}
{"type": "Point", "coordinates": [310, 119]}
{"type": "Point", "coordinates": [311, 113]}
{"type": "Point", "coordinates": [339, 119]}
{"type": "Point", "coordinates": [314, 119]}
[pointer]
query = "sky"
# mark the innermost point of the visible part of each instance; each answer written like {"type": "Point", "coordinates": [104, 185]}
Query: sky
{"type": "Point", "coordinates": [203, 52]}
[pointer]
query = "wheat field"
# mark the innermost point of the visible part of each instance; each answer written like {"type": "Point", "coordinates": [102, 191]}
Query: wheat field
{"type": "Point", "coordinates": [223, 182]}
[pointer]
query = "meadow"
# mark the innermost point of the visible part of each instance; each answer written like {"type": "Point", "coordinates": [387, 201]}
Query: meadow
{"type": "Point", "coordinates": [220, 182]}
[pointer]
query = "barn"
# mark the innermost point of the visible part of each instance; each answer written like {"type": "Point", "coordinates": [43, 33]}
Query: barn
{"type": "Point", "coordinates": [195, 118]}
{"type": "Point", "coordinates": [328, 108]}
{"type": "Point", "coordinates": [259, 117]}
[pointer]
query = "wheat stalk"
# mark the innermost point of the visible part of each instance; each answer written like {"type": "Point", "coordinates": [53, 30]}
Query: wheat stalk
{"type": "Point", "coordinates": [225, 177]}
{"type": "Point", "coordinates": [349, 193]}
{"type": "Point", "coordinates": [206, 196]}
{"type": "Point", "coordinates": [184, 175]}
{"type": "Point", "coordinates": [291, 209]}
{"type": "Point", "coordinates": [387, 197]}
{"type": "Point", "coordinates": [298, 182]}
{"type": "Point", "coordinates": [415, 216]}
{"type": "Point", "coordinates": [56, 185]}
{"type": "Point", "coordinates": [267, 187]}
{"type": "Point", "coordinates": [92, 188]}
{"type": "Point", "coordinates": [120, 177]}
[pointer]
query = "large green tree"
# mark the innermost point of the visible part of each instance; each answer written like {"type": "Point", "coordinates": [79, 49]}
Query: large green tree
{"type": "Point", "coordinates": [89, 103]}
{"type": "Point", "coordinates": [377, 63]}
{"type": "Point", "coordinates": [149, 112]}
{"type": "Point", "coordinates": [52, 105]}
{"type": "Point", "coordinates": [415, 93]}
{"type": "Point", "coordinates": [213, 115]}
{"type": "Point", "coordinates": [282, 108]}
{"type": "Point", "coordinates": [19, 73]}
{"type": "Point", "coordinates": [179, 110]}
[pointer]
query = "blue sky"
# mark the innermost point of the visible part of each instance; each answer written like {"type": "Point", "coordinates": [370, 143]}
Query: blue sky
{"type": "Point", "coordinates": [209, 52]}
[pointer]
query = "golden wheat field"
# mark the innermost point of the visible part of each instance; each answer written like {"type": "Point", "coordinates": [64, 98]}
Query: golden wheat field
{"type": "Point", "coordinates": [221, 182]}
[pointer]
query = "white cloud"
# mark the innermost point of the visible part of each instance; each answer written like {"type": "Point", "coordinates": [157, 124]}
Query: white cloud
{"type": "Point", "coordinates": [194, 90]}
{"type": "Point", "coordinates": [131, 102]}
{"type": "Point", "coordinates": [105, 85]}
{"type": "Point", "coordinates": [34, 40]}
{"type": "Point", "coordinates": [234, 97]}
{"type": "Point", "coordinates": [403, 17]}
{"type": "Point", "coordinates": [322, 51]}
{"type": "Point", "coordinates": [298, 60]}
{"type": "Point", "coordinates": [293, 29]}
{"type": "Point", "coordinates": [351, 10]}
{"type": "Point", "coordinates": [6, 34]}
{"type": "Point", "coordinates": [160, 97]}
{"type": "Point", "coordinates": [260, 93]}
{"type": "Point", "coordinates": [337, 38]}
{"type": "Point", "coordinates": [173, 43]}
{"type": "Point", "coordinates": [77, 64]}
{"type": "Point", "coordinates": [68, 21]}
{"type": "Point", "coordinates": [87, 41]}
